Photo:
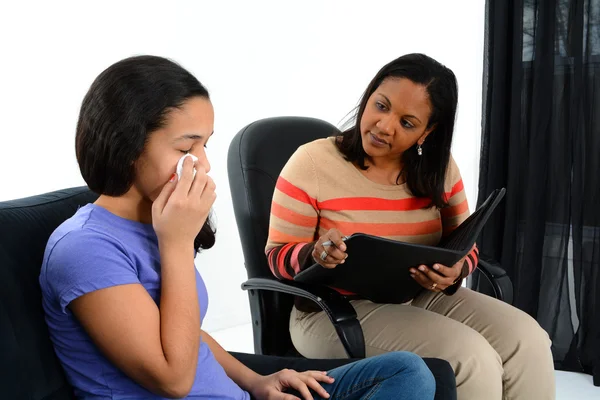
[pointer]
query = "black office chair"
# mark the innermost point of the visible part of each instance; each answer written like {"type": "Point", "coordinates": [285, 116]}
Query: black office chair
{"type": "Point", "coordinates": [29, 368]}
{"type": "Point", "coordinates": [256, 156]}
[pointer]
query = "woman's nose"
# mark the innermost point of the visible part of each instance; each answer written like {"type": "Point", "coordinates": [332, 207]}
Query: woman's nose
{"type": "Point", "coordinates": [386, 125]}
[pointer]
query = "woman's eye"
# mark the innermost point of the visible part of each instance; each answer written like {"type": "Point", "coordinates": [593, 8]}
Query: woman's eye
{"type": "Point", "coordinates": [407, 124]}
{"type": "Point", "coordinates": [185, 151]}
{"type": "Point", "coordinates": [380, 106]}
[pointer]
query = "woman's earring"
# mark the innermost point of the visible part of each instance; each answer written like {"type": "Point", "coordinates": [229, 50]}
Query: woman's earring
{"type": "Point", "coordinates": [419, 150]}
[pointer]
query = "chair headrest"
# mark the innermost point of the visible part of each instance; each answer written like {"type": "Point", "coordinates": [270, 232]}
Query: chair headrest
{"type": "Point", "coordinates": [267, 144]}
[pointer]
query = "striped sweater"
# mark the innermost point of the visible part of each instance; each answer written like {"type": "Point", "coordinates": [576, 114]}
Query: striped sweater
{"type": "Point", "coordinates": [318, 190]}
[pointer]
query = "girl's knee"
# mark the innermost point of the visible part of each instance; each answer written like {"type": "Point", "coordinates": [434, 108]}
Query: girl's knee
{"type": "Point", "coordinates": [412, 367]}
{"type": "Point", "coordinates": [402, 360]}
{"type": "Point", "coordinates": [417, 374]}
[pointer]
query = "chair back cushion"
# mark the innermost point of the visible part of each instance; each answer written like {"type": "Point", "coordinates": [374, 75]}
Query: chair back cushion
{"type": "Point", "coordinates": [257, 155]}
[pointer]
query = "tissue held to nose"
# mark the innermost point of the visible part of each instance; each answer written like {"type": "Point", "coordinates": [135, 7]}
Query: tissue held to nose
{"type": "Point", "coordinates": [180, 164]}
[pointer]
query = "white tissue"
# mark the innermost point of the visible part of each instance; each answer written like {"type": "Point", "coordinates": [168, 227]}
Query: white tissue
{"type": "Point", "coordinates": [180, 164]}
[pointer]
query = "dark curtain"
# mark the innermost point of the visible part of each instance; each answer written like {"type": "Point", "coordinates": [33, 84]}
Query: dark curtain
{"type": "Point", "coordinates": [541, 140]}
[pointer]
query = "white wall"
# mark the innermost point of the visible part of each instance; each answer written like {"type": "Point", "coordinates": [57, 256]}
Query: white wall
{"type": "Point", "coordinates": [258, 59]}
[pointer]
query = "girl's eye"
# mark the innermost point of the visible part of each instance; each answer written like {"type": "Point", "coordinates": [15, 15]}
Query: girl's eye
{"type": "Point", "coordinates": [380, 106]}
{"type": "Point", "coordinates": [185, 151]}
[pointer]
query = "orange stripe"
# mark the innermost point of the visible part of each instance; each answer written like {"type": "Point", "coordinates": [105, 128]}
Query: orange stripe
{"type": "Point", "coordinates": [457, 188]}
{"type": "Point", "coordinates": [279, 237]}
{"type": "Point", "coordinates": [292, 217]}
{"type": "Point", "coordinates": [343, 292]}
{"type": "Point", "coordinates": [382, 229]}
{"type": "Point", "coordinates": [280, 260]}
{"type": "Point", "coordinates": [270, 261]}
{"type": "Point", "coordinates": [475, 255]}
{"type": "Point", "coordinates": [376, 204]}
{"type": "Point", "coordinates": [372, 203]}
{"type": "Point", "coordinates": [294, 192]}
{"type": "Point", "coordinates": [294, 258]}
{"type": "Point", "coordinates": [470, 265]}
{"type": "Point", "coordinates": [455, 210]}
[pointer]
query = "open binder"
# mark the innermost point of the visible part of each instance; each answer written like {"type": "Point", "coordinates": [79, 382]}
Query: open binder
{"type": "Point", "coordinates": [378, 269]}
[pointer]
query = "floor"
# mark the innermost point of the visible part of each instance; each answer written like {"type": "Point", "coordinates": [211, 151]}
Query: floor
{"type": "Point", "coordinates": [568, 385]}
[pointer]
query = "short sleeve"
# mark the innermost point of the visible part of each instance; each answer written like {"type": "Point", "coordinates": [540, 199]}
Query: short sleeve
{"type": "Point", "coordinates": [84, 261]}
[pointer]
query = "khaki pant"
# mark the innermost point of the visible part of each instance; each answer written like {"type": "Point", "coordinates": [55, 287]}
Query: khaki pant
{"type": "Point", "coordinates": [496, 350]}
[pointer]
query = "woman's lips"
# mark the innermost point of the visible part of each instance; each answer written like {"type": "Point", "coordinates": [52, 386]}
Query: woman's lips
{"type": "Point", "coordinates": [377, 142]}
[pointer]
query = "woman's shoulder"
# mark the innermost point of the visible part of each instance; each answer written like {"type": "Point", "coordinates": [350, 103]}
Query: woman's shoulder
{"type": "Point", "coordinates": [320, 150]}
{"type": "Point", "coordinates": [453, 176]}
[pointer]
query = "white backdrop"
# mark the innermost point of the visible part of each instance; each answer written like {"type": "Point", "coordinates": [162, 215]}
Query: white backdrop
{"type": "Point", "coordinates": [257, 58]}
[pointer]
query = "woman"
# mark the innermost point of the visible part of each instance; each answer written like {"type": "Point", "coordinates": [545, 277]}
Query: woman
{"type": "Point", "coordinates": [123, 300]}
{"type": "Point", "coordinates": [392, 175]}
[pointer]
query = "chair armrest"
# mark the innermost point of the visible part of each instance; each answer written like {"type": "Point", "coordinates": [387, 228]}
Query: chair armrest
{"type": "Point", "coordinates": [497, 278]}
{"type": "Point", "coordinates": [337, 307]}
{"type": "Point", "coordinates": [491, 268]}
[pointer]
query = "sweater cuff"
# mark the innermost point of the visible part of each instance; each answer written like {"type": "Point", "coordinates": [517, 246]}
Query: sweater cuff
{"type": "Point", "coordinates": [305, 258]}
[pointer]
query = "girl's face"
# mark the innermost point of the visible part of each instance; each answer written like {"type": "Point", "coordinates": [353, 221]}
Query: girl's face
{"type": "Point", "coordinates": [186, 130]}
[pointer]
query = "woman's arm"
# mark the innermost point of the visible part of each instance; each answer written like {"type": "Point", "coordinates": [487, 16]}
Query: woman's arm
{"type": "Point", "coordinates": [294, 217]}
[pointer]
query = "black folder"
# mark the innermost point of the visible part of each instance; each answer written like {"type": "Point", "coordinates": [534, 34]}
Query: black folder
{"type": "Point", "coordinates": [378, 268]}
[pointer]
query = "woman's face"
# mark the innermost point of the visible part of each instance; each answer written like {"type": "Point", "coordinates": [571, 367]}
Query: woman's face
{"type": "Point", "coordinates": [186, 130]}
{"type": "Point", "coordinates": [395, 118]}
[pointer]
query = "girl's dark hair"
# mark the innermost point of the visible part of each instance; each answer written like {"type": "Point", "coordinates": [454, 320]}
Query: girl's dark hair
{"type": "Point", "coordinates": [126, 103]}
{"type": "Point", "coordinates": [425, 175]}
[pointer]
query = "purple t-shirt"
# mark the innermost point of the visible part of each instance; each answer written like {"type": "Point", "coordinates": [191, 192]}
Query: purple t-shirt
{"type": "Point", "coordinates": [96, 249]}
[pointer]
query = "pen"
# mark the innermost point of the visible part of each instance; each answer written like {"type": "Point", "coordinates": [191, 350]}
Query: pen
{"type": "Point", "coordinates": [330, 243]}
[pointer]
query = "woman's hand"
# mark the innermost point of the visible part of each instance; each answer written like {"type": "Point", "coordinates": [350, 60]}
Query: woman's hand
{"type": "Point", "coordinates": [272, 387]}
{"type": "Point", "coordinates": [330, 256]}
{"type": "Point", "coordinates": [182, 206]}
{"type": "Point", "coordinates": [440, 277]}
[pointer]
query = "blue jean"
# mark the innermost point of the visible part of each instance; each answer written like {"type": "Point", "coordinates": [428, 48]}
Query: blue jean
{"type": "Point", "coordinates": [393, 376]}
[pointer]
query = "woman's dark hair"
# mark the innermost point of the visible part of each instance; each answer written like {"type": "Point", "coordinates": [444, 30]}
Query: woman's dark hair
{"type": "Point", "coordinates": [425, 174]}
{"type": "Point", "coordinates": [126, 103]}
